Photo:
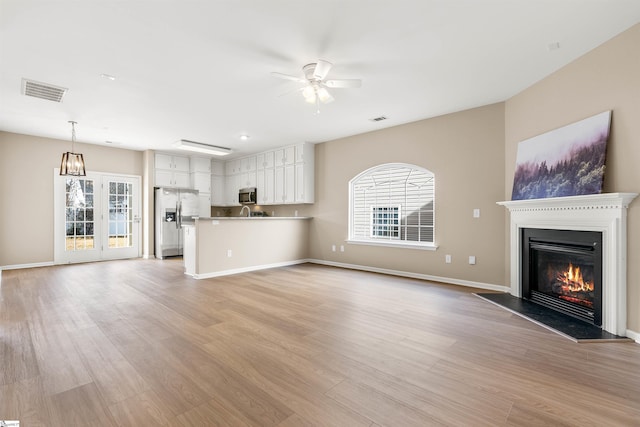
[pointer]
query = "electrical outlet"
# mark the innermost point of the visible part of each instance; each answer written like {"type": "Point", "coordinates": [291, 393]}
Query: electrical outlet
{"type": "Point", "coordinates": [333, 248]}
{"type": "Point", "coordinates": [229, 253]}
{"type": "Point", "coordinates": [447, 259]}
{"type": "Point", "coordinates": [295, 213]}
{"type": "Point", "coordinates": [341, 248]}
{"type": "Point", "coordinates": [472, 259]}
{"type": "Point", "coordinates": [476, 213]}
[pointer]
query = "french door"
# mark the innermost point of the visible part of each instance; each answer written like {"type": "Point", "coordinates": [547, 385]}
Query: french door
{"type": "Point", "coordinates": [97, 217]}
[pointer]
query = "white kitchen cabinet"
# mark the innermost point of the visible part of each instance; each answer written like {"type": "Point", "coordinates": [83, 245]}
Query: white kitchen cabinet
{"type": "Point", "coordinates": [231, 190]}
{"type": "Point", "coordinates": [201, 181]}
{"type": "Point", "coordinates": [189, 249]}
{"type": "Point", "coordinates": [200, 164]}
{"type": "Point", "coordinates": [166, 178]}
{"type": "Point", "coordinates": [164, 161]}
{"type": "Point", "coordinates": [294, 180]}
{"type": "Point", "coordinates": [247, 179]}
{"type": "Point", "coordinates": [265, 185]}
{"type": "Point", "coordinates": [284, 191]}
{"type": "Point", "coordinates": [300, 187]}
{"type": "Point", "coordinates": [232, 167]}
{"type": "Point", "coordinates": [181, 163]}
{"type": "Point", "coordinates": [285, 156]}
{"type": "Point", "coordinates": [301, 150]}
{"type": "Point", "coordinates": [281, 176]}
{"type": "Point", "coordinates": [304, 173]}
{"type": "Point", "coordinates": [265, 160]}
{"type": "Point", "coordinates": [217, 183]}
{"type": "Point", "coordinates": [171, 171]}
{"type": "Point", "coordinates": [248, 164]}
{"type": "Point", "coordinates": [204, 209]}
{"type": "Point", "coordinates": [217, 168]}
{"type": "Point", "coordinates": [217, 190]}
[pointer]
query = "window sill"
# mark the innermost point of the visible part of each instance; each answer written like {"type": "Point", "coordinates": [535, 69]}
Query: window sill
{"type": "Point", "coordinates": [391, 244]}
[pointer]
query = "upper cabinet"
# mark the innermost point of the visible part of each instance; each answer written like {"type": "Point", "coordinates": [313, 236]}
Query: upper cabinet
{"type": "Point", "coordinates": [293, 175]}
{"type": "Point", "coordinates": [286, 155]}
{"type": "Point", "coordinates": [304, 173]}
{"type": "Point", "coordinates": [281, 176]}
{"type": "Point", "coordinates": [217, 183]}
{"type": "Point", "coordinates": [200, 164]}
{"type": "Point", "coordinates": [201, 174]}
{"type": "Point", "coordinates": [232, 167]}
{"type": "Point", "coordinates": [265, 160]}
{"type": "Point", "coordinates": [171, 171]}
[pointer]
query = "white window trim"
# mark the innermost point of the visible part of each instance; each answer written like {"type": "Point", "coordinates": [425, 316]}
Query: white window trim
{"type": "Point", "coordinates": [394, 244]}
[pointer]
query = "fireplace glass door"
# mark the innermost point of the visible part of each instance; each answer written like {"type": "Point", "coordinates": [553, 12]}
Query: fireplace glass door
{"type": "Point", "coordinates": [564, 272]}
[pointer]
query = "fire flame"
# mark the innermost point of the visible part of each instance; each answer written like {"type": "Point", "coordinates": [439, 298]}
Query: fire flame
{"type": "Point", "coordinates": [572, 280]}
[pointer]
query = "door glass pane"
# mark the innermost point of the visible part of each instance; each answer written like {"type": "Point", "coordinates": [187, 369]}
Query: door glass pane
{"type": "Point", "coordinates": [78, 220]}
{"type": "Point", "coordinates": [120, 231]}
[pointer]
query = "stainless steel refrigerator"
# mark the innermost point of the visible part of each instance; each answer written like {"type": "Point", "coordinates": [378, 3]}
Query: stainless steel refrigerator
{"type": "Point", "coordinates": [174, 207]}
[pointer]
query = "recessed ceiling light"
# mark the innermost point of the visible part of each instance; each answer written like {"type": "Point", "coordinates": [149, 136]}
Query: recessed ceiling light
{"type": "Point", "coordinates": [108, 77]}
{"type": "Point", "coordinates": [244, 137]}
{"type": "Point", "coordinates": [553, 46]}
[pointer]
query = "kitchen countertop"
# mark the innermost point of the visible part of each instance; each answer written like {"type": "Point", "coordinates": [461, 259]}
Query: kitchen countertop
{"type": "Point", "coordinates": [261, 218]}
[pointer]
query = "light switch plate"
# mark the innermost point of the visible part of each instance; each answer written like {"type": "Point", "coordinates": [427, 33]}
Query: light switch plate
{"type": "Point", "coordinates": [476, 213]}
{"type": "Point", "coordinates": [472, 259]}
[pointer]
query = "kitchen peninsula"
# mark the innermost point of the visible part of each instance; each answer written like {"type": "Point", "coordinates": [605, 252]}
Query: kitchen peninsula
{"type": "Point", "coordinates": [221, 246]}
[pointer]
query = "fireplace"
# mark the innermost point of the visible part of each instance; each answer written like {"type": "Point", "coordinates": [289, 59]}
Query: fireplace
{"type": "Point", "coordinates": [604, 213]}
{"type": "Point", "coordinates": [562, 270]}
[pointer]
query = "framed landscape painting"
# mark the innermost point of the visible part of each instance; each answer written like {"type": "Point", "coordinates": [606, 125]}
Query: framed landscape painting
{"type": "Point", "coordinates": [568, 161]}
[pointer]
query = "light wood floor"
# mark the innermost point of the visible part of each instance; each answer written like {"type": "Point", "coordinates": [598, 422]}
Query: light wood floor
{"type": "Point", "coordinates": [137, 343]}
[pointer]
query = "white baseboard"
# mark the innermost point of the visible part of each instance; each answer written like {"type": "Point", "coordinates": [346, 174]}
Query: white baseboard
{"type": "Point", "coordinates": [248, 269]}
{"type": "Point", "coordinates": [449, 280]}
{"type": "Point", "coordinates": [633, 335]}
{"type": "Point", "coordinates": [30, 265]}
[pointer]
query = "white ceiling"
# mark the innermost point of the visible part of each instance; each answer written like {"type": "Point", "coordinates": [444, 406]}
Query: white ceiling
{"type": "Point", "coordinates": [200, 70]}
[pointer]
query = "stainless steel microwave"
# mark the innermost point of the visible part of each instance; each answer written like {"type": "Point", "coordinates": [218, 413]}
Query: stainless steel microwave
{"type": "Point", "coordinates": [247, 196]}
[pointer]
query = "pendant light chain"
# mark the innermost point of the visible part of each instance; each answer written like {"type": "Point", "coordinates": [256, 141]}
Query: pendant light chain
{"type": "Point", "coordinates": [73, 135]}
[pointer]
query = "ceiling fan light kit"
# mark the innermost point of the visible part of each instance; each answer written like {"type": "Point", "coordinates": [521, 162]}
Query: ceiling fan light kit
{"type": "Point", "coordinates": [315, 89]}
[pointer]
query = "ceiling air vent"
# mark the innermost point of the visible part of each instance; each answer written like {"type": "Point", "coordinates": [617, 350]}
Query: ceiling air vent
{"type": "Point", "coordinates": [378, 119]}
{"type": "Point", "coordinates": [43, 90]}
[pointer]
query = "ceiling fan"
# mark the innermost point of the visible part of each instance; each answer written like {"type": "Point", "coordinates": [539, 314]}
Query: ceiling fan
{"type": "Point", "coordinates": [315, 89]}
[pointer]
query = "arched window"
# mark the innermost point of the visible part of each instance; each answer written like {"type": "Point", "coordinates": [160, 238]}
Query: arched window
{"type": "Point", "coordinates": [393, 204]}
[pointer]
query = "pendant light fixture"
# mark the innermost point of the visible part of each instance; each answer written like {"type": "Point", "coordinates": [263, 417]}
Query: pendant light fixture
{"type": "Point", "coordinates": [72, 163]}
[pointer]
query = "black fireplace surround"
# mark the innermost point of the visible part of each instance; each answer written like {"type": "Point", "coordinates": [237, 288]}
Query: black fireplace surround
{"type": "Point", "coordinates": [562, 270]}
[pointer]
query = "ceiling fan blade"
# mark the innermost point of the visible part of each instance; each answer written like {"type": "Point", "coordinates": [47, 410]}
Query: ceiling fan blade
{"type": "Point", "coordinates": [322, 69]}
{"type": "Point", "coordinates": [300, 89]}
{"type": "Point", "coordinates": [288, 77]}
{"type": "Point", "coordinates": [342, 83]}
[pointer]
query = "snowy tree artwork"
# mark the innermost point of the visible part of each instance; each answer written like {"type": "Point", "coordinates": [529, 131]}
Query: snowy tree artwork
{"type": "Point", "coordinates": [568, 161]}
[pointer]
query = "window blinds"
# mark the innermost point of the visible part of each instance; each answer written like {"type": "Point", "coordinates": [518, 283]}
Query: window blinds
{"type": "Point", "coordinates": [389, 187]}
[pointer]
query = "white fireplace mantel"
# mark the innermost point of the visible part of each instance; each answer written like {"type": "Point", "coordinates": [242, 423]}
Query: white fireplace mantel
{"type": "Point", "coordinates": [606, 213]}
